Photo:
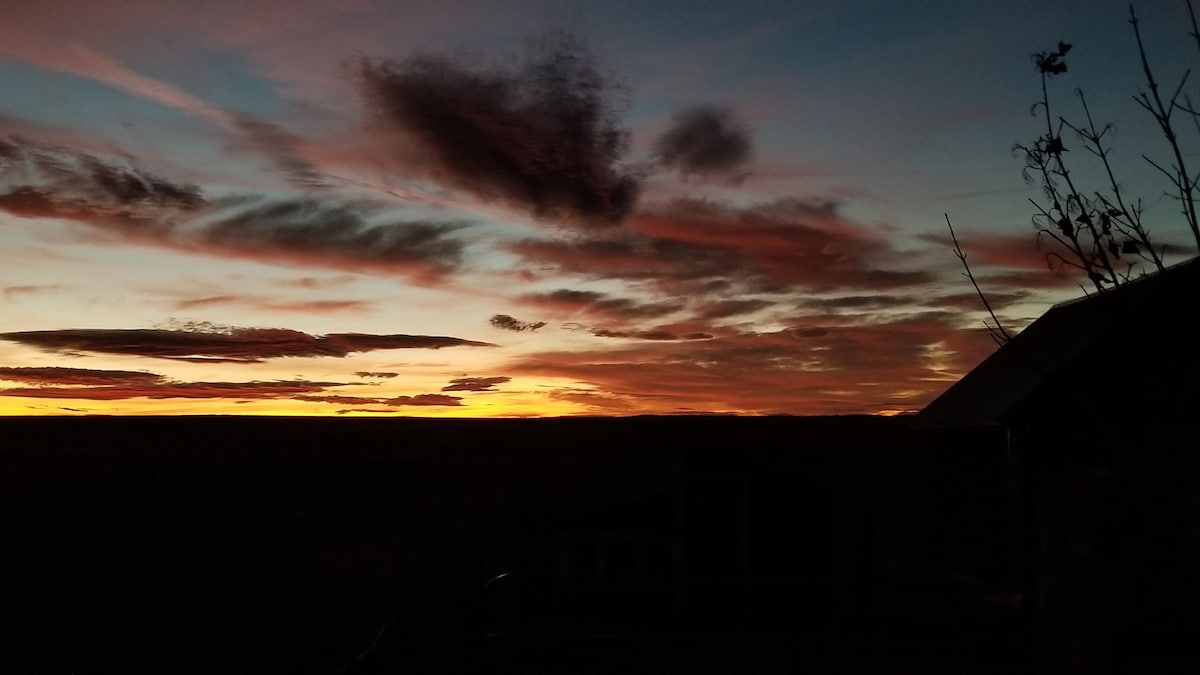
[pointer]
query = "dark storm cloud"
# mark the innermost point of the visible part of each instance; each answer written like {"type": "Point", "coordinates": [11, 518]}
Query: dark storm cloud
{"type": "Point", "coordinates": [475, 383]}
{"type": "Point", "coordinates": [704, 140]}
{"type": "Point", "coordinates": [541, 137]}
{"type": "Point", "coordinates": [506, 322]}
{"type": "Point", "coordinates": [231, 345]}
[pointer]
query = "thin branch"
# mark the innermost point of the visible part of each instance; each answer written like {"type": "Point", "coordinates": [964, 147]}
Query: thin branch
{"type": "Point", "coordinates": [1162, 114]}
{"type": "Point", "coordinates": [1195, 32]}
{"type": "Point", "coordinates": [999, 334]}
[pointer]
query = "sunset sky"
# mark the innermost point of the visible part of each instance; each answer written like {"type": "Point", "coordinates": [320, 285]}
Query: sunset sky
{"type": "Point", "coordinates": [469, 209]}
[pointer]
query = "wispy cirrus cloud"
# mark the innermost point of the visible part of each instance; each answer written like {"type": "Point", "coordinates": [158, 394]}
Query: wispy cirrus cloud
{"type": "Point", "coordinates": [228, 344]}
{"type": "Point", "coordinates": [595, 304]}
{"type": "Point", "coordinates": [265, 304]}
{"type": "Point", "coordinates": [339, 399]}
{"type": "Point", "coordinates": [12, 293]}
{"type": "Point", "coordinates": [691, 247]}
{"type": "Point", "coordinates": [1017, 251]}
{"type": "Point", "coordinates": [47, 170]}
{"type": "Point", "coordinates": [127, 203]}
{"type": "Point", "coordinates": [724, 309]}
{"type": "Point", "coordinates": [659, 335]}
{"type": "Point", "coordinates": [281, 146]}
{"type": "Point", "coordinates": [345, 235]}
{"type": "Point", "coordinates": [820, 368]}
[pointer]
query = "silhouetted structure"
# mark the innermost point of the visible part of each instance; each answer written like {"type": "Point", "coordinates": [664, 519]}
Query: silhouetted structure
{"type": "Point", "coordinates": [1098, 400]}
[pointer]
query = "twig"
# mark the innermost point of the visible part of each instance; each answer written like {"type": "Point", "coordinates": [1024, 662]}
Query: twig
{"type": "Point", "coordinates": [998, 333]}
{"type": "Point", "coordinates": [370, 648]}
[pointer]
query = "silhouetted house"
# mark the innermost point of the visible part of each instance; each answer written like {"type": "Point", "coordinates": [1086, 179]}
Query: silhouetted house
{"type": "Point", "coordinates": [1109, 362]}
{"type": "Point", "coordinates": [1098, 402]}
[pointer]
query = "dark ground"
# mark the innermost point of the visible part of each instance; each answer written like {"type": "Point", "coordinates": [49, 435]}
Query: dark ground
{"type": "Point", "coordinates": [279, 545]}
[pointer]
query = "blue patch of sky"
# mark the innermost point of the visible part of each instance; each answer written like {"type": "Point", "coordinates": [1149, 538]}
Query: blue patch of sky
{"type": "Point", "coordinates": [224, 80]}
{"type": "Point", "coordinates": [54, 98]}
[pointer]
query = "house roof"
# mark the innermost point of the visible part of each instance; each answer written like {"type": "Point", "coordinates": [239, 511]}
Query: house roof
{"type": "Point", "coordinates": [1131, 324]}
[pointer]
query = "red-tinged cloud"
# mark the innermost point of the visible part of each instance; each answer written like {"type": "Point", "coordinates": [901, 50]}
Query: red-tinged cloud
{"type": "Point", "coordinates": [540, 137]}
{"type": "Point", "coordinates": [595, 304]}
{"type": "Point", "coordinates": [380, 411]}
{"type": "Point", "coordinates": [236, 345]}
{"type": "Point", "coordinates": [809, 369]}
{"type": "Point", "coordinates": [264, 304]}
{"type": "Point", "coordinates": [705, 140]}
{"type": "Point", "coordinates": [425, 399]}
{"type": "Point", "coordinates": [54, 375]}
{"type": "Point", "coordinates": [657, 335]}
{"type": "Point", "coordinates": [337, 398]}
{"type": "Point", "coordinates": [723, 309]}
{"type": "Point", "coordinates": [787, 243]}
{"type": "Point", "coordinates": [593, 400]}
{"type": "Point", "coordinates": [171, 389]}
{"type": "Point", "coordinates": [510, 323]}
{"type": "Point", "coordinates": [127, 203]}
{"type": "Point", "coordinates": [860, 303]}
{"type": "Point", "coordinates": [375, 375]}
{"type": "Point", "coordinates": [691, 247]}
{"type": "Point", "coordinates": [12, 293]}
{"type": "Point", "coordinates": [475, 383]}
{"type": "Point", "coordinates": [971, 301]}
{"type": "Point", "coordinates": [1019, 251]}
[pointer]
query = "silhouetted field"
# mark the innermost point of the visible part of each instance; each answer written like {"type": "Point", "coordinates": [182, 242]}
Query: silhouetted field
{"type": "Point", "coordinates": [237, 544]}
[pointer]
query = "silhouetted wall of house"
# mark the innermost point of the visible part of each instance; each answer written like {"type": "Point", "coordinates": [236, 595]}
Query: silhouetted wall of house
{"type": "Point", "coordinates": [1099, 400]}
